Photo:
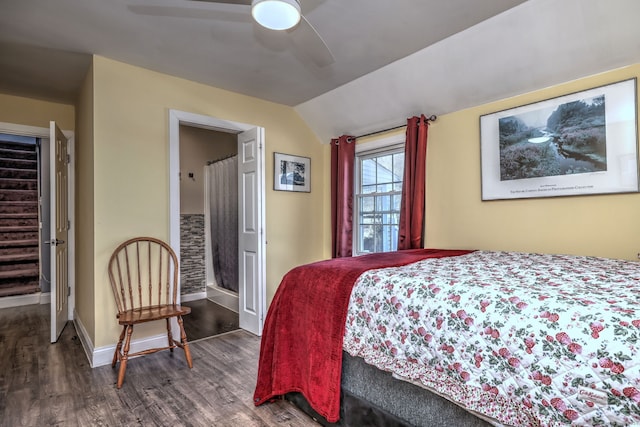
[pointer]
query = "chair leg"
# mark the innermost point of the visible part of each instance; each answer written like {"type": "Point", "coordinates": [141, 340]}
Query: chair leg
{"type": "Point", "coordinates": [118, 348]}
{"type": "Point", "coordinates": [185, 344]}
{"type": "Point", "coordinates": [170, 336]}
{"type": "Point", "coordinates": [125, 355]}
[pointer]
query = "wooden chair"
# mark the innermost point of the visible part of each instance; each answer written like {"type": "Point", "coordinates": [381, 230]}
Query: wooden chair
{"type": "Point", "coordinates": [144, 278]}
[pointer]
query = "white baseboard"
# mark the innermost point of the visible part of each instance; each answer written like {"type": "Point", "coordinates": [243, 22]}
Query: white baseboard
{"type": "Point", "coordinates": [87, 345]}
{"type": "Point", "coordinates": [223, 297]}
{"type": "Point", "coordinates": [193, 297]}
{"type": "Point", "coordinates": [20, 300]}
{"type": "Point", "coordinates": [102, 356]}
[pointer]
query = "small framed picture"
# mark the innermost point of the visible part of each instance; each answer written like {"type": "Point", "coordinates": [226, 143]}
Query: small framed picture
{"type": "Point", "coordinates": [291, 173]}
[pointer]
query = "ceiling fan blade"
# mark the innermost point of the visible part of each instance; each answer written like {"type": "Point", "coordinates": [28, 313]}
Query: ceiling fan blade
{"type": "Point", "coordinates": [308, 40]}
{"type": "Point", "coordinates": [185, 12]}
{"type": "Point", "coordinates": [304, 36]}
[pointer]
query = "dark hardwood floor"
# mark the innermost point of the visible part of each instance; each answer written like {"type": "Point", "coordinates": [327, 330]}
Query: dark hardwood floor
{"type": "Point", "coordinates": [43, 384]}
{"type": "Point", "coordinates": [208, 319]}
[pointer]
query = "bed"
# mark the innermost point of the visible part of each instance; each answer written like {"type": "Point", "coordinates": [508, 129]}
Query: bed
{"type": "Point", "coordinates": [436, 337]}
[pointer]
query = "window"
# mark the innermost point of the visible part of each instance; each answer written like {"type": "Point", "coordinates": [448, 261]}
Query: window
{"type": "Point", "coordinates": [378, 182]}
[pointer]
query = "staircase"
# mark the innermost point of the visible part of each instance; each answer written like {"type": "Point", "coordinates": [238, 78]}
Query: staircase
{"type": "Point", "coordinates": [19, 271]}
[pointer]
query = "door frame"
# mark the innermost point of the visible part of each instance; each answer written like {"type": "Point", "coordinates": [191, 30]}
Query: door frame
{"type": "Point", "coordinates": [177, 118]}
{"type": "Point", "coordinates": [44, 133]}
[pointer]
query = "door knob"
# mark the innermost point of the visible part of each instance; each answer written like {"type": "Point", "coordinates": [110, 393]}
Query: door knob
{"type": "Point", "coordinates": [53, 242]}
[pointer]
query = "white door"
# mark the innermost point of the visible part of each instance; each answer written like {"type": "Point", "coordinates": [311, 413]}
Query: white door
{"type": "Point", "coordinates": [59, 231]}
{"type": "Point", "coordinates": [251, 230]}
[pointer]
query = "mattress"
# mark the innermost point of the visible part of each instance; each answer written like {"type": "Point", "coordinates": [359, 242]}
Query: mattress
{"type": "Point", "coordinates": [520, 339]}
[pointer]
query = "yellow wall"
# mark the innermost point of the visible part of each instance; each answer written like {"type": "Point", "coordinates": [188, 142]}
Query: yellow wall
{"type": "Point", "coordinates": [85, 303]}
{"type": "Point", "coordinates": [599, 225]}
{"type": "Point", "coordinates": [33, 112]}
{"type": "Point", "coordinates": [130, 143]}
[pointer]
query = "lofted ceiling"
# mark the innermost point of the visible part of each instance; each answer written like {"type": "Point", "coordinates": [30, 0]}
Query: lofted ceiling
{"type": "Point", "coordinates": [535, 45]}
{"type": "Point", "coordinates": [392, 59]}
{"type": "Point", "coordinates": [45, 45]}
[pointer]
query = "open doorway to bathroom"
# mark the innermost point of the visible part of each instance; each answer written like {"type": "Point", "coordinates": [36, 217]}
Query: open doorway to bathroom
{"type": "Point", "coordinates": [208, 232]}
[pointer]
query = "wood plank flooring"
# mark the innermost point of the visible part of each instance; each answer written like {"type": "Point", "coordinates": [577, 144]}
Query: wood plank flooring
{"type": "Point", "coordinates": [208, 319]}
{"type": "Point", "coordinates": [43, 384]}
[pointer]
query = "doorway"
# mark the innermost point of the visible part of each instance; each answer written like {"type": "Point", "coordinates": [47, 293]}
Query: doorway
{"type": "Point", "coordinates": [23, 274]}
{"type": "Point", "coordinates": [251, 212]}
{"type": "Point", "coordinates": [208, 231]}
{"type": "Point", "coordinates": [43, 137]}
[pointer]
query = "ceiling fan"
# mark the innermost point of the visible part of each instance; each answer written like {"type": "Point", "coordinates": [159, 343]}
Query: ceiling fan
{"type": "Point", "coordinates": [277, 15]}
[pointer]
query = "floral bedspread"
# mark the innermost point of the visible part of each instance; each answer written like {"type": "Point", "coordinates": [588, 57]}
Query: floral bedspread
{"type": "Point", "coordinates": [523, 339]}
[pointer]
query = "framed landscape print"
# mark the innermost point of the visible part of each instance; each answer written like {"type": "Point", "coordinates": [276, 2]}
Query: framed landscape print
{"type": "Point", "coordinates": [291, 173]}
{"type": "Point", "coordinates": [577, 144]}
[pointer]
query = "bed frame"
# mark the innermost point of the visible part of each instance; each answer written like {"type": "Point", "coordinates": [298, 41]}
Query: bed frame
{"type": "Point", "coordinates": [371, 397]}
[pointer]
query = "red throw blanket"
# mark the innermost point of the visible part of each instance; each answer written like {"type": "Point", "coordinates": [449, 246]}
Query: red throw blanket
{"type": "Point", "coordinates": [301, 349]}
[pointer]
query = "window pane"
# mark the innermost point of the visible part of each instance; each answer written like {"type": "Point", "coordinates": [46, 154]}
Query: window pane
{"type": "Point", "coordinates": [368, 172]}
{"type": "Point", "coordinates": [369, 189]}
{"type": "Point", "coordinates": [367, 204]}
{"type": "Point", "coordinates": [395, 218]}
{"type": "Point", "coordinates": [388, 218]}
{"type": "Point", "coordinates": [376, 243]}
{"type": "Point", "coordinates": [367, 237]}
{"type": "Point", "coordinates": [369, 218]}
{"type": "Point", "coordinates": [396, 202]}
{"type": "Point", "coordinates": [385, 172]}
{"type": "Point", "coordinates": [383, 203]}
{"type": "Point", "coordinates": [398, 165]}
{"type": "Point", "coordinates": [384, 188]}
{"type": "Point", "coordinates": [389, 238]}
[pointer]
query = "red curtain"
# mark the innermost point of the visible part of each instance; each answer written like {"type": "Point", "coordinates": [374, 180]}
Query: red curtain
{"type": "Point", "coordinates": [343, 152]}
{"type": "Point", "coordinates": [410, 233]}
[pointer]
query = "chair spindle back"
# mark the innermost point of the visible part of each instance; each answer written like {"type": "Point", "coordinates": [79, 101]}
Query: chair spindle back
{"type": "Point", "coordinates": [143, 272]}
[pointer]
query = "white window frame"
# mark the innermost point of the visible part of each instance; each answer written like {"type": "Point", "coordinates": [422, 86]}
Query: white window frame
{"type": "Point", "coordinates": [378, 147]}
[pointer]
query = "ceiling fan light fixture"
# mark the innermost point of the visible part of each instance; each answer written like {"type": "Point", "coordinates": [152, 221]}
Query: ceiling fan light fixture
{"type": "Point", "coordinates": [276, 14]}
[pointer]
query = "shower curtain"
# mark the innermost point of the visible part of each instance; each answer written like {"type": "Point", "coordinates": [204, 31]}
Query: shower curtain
{"type": "Point", "coordinates": [223, 214]}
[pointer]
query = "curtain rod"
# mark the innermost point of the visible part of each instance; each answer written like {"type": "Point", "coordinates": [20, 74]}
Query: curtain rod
{"type": "Point", "coordinates": [431, 118]}
{"type": "Point", "coordinates": [210, 162]}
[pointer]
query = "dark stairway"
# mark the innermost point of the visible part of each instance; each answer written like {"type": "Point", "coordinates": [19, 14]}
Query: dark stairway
{"type": "Point", "coordinates": [19, 272]}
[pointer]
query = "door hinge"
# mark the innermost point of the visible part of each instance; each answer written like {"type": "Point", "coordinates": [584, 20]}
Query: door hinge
{"type": "Point", "coordinates": [68, 224]}
{"type": "Point", "coordinates": [68, 291]}
{"type": "Point", "coordinates": [68, 158]}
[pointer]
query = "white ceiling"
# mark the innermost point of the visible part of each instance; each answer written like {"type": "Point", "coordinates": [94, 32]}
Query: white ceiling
{"type": "Point", "coordinates": [537, 44]}
{"type": "Point", "coordinates": [393, 59]}
{"type": "Point", "coordinates": [218, 44]}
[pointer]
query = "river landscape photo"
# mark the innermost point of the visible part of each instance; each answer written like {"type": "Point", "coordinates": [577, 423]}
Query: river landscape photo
{"type": "Point", "coordinates": [564, 139]}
